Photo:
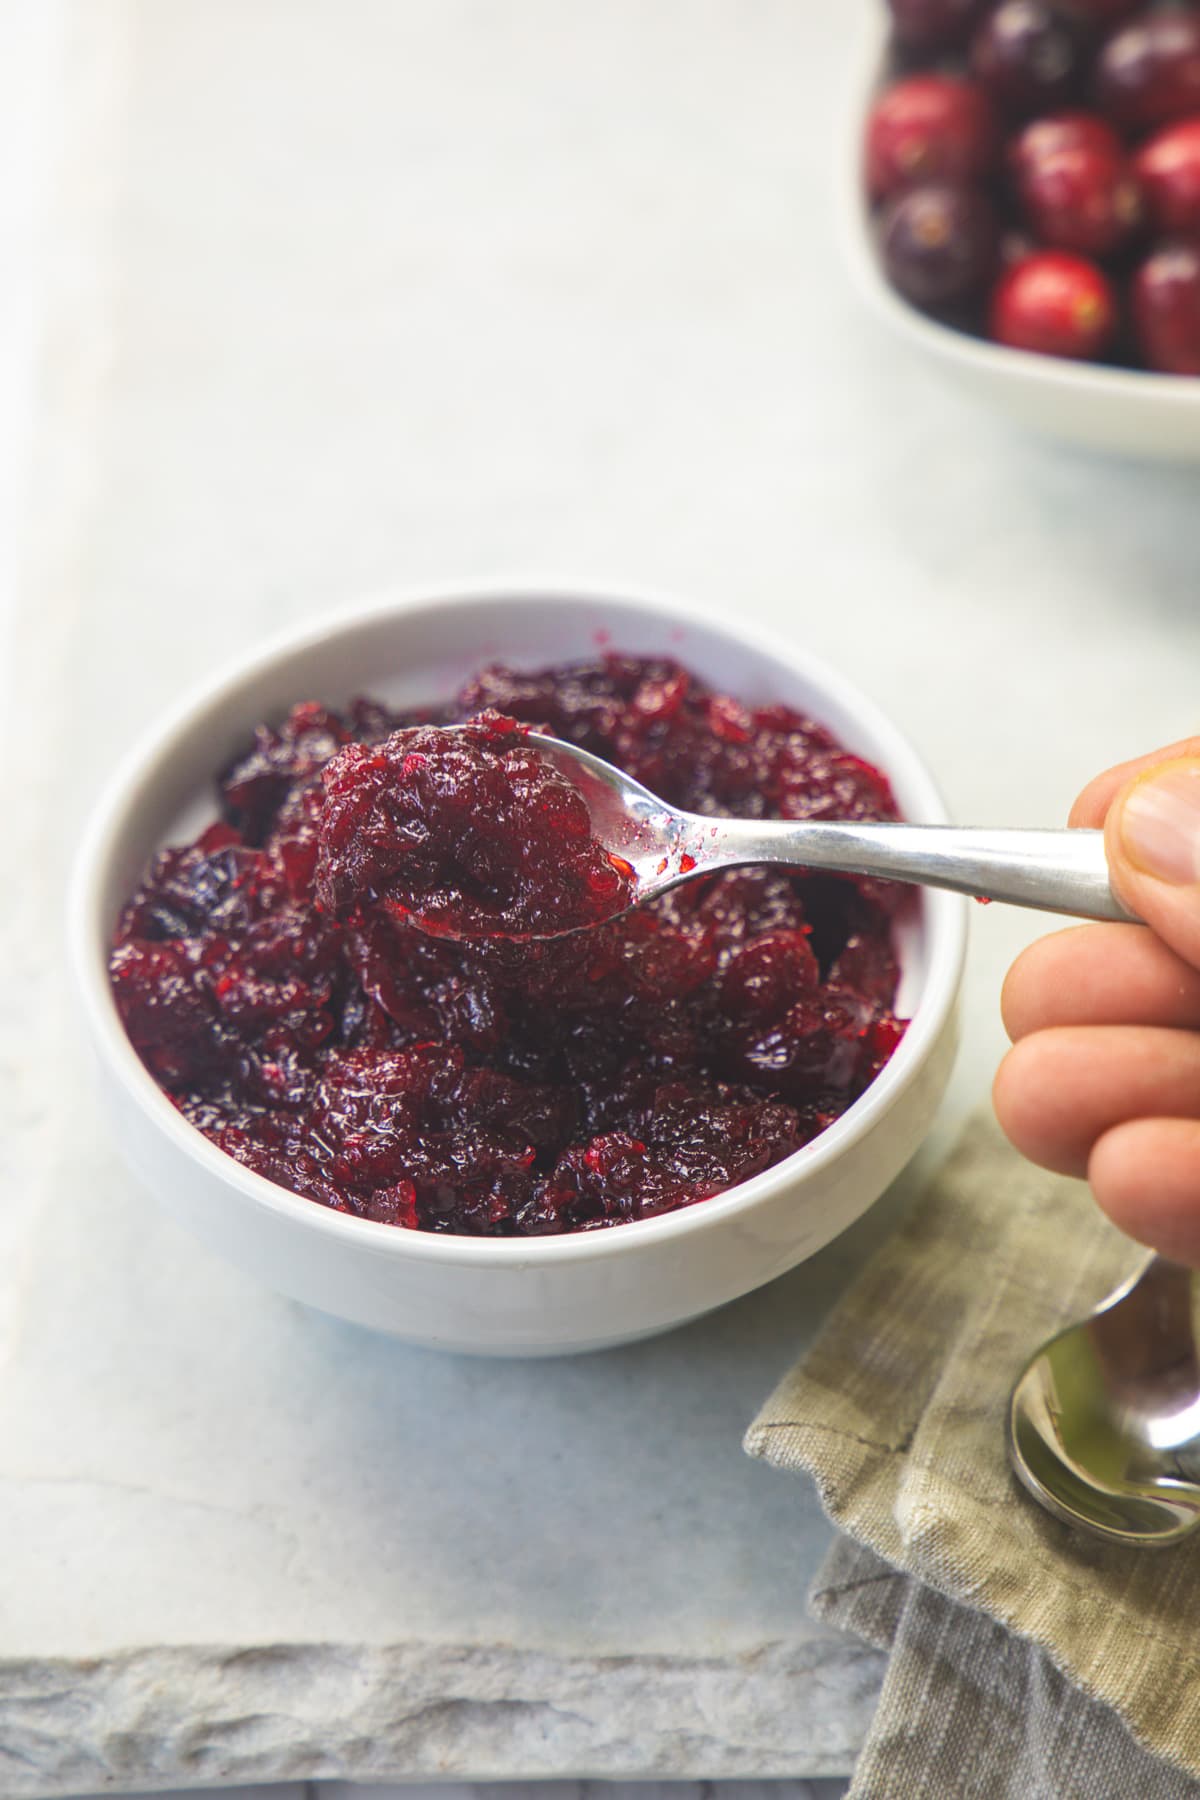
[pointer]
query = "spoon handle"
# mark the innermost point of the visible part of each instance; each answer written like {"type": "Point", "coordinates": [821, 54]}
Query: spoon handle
{"type": "Point", "coordinates": [1055, 871]}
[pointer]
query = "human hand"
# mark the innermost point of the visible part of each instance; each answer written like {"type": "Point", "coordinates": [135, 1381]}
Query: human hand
{"type": "Point", "coordinates": [1103, 1079]}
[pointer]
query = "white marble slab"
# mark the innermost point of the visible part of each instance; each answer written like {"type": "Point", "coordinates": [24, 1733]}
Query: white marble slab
{"type": "Point", "coordinates": [402, 293]}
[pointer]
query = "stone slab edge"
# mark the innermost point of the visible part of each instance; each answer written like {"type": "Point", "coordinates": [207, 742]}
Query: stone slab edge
{"type": "Point", "coordinates": [224, 1715]}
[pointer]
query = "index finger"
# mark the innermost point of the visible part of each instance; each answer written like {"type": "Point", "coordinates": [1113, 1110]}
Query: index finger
{"type": "Point", "coordinates": [1093, 803]}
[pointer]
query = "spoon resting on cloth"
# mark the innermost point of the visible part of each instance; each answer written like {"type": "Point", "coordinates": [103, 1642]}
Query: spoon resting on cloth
{"type": "Point", "coordinates": [1055, 871]}
{"type": "Point", "coordinates": [1104, 1421]}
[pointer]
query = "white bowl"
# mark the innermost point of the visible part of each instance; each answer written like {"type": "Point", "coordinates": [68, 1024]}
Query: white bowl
{"type": "Point", "coordinates": [504, 1296]}
{"type": "Point", "coordinates": [1130, 411]}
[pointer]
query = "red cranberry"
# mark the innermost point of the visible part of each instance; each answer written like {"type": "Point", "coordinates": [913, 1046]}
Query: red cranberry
{"type": "Point", "coordinates": [1149, 72]}
{"type": "Point", "coordinates": [1082, 199]}
{"type": "Point", "coordinates": [1166, 309]}
{"type": "Point", "coordinates": [1057, 304]}
{"type": "Point", "coordinates": [933, 25]}
{"type": "Point", "coordinates": [1027, 55]}
{"type": "Point", "coordinates": [1061, 131]}
{"type": "Point", "coordinates": [928, 128]}
{"type": "Point", "coordinates": [1169, 170]}
{"type": "Point", "coordinates": [939, 245]}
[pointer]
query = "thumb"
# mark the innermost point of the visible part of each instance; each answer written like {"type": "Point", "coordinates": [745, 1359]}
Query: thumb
{"type": "Point", "coordinates": [1152, 840]}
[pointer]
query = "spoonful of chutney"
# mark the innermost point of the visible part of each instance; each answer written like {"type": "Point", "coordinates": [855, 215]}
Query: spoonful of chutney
{"type": "Point", "coordinates": [466, 831]}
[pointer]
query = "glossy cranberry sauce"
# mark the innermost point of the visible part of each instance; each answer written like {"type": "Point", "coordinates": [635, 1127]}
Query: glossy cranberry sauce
{"type": "Point", "coordinates": [501, 1088]}
{"type": "Point", "coordinates": [468, 832]}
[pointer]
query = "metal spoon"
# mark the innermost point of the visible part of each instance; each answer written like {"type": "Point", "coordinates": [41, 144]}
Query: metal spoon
{"type": "Point", "coordinates": [1057, 871]}
{"type": "Point", "coordinates": [1104, 1422]}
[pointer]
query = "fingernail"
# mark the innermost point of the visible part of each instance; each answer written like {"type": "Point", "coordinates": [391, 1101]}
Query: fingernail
{"type": "Point", "coordinates": [1160, 822]}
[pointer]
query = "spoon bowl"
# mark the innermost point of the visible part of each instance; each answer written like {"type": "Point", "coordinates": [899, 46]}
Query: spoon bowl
{"type": "Point", "coordinates": [1104, 1421]}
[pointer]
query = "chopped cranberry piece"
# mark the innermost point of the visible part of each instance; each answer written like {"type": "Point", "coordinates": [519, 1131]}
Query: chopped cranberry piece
{"type": "Point", "coordinates": [764, 976]}
{"type": "Point", "coordinates": [256, 783]}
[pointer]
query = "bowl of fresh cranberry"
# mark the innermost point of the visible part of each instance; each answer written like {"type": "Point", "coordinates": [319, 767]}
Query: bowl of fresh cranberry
{"type": "Point", "coordinates": [1024, 207]}
{"type": "Point", "coordinates": [327, 1048]}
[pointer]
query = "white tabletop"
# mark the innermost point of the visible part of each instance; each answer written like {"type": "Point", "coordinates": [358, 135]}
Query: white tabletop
{"type": "Point", "coordinates": [395, 293]}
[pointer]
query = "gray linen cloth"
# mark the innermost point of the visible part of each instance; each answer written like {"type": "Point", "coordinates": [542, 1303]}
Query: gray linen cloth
{"type": "Point", "coordinates": [1026, 1660]}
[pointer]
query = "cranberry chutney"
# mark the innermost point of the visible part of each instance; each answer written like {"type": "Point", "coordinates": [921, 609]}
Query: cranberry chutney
{"type": "Point", "coordinates": [492, 1087]}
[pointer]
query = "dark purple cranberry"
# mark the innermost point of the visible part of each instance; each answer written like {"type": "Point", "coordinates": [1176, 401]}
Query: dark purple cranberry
{"type": "Point", "coordinates": [1028, 56]}
{"type": "Point", "coordinates": [933, 26]}
{"type": "Point", "coordinates": [1149, 72]}
{"type": "Point", "coordinates": [1166, 309]}
{"type": "Point", "coordinates": [940, 245]}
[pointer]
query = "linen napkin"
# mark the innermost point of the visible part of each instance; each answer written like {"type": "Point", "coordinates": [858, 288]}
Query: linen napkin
{"type": "Point", "coordinates": [1026, 1659]}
